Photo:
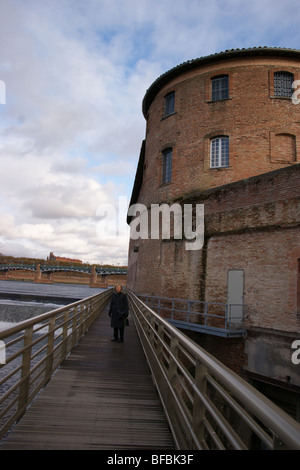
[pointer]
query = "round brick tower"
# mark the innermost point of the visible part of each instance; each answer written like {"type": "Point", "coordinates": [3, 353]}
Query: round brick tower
{"type": "Point", "coordinates": [219, 119]}
{"type": "Point", "coordinates": [213, 122]}
{"type": "Point", "coordinates": [223, 131]}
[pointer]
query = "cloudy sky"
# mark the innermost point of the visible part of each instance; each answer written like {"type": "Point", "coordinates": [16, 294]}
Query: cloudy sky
{"type": "Point", "coordinates": [71, 126]}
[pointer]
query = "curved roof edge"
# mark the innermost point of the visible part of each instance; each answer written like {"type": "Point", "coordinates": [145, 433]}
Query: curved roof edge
{"type": "Point", "coordinates": [228, 54]}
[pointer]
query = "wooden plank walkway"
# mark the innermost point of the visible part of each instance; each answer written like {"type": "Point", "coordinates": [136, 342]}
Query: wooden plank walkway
{"type": "Point", "coordinates": [102, 397]}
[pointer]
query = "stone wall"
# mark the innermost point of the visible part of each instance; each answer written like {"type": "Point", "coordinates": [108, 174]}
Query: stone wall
{"type": "Point", "coordinates": [251, 225]}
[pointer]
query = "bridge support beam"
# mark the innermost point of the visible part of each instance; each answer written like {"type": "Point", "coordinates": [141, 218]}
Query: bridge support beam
{"type": "Point", "coordinates": [104, 280]}
{"type": "Point", "coordinates": [39, 279]}
{"type": "Point", "coordinates": [4, 275]}
{"type": "Point", "coordinates": [94, 279]}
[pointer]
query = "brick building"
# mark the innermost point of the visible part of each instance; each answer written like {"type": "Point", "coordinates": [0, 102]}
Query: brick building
{"type": "Point", "coordinates": [62, 259]}
{"type": "Point", "coordinates": [223, 131]}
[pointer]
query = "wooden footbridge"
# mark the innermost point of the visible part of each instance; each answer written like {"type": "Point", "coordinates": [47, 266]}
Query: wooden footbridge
{"type": "Point", "coordinates": [65, 385]}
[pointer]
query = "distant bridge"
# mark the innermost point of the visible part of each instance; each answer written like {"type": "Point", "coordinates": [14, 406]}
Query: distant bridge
{"type": "Point", "coordinates": [46, 268]}
{"type": "Point", "coordinates": [44, 272]}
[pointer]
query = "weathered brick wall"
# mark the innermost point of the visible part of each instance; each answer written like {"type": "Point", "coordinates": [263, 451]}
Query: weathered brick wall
{"type": "Point", "coordinates": [262, 129]}
{"type": "Point", "coordinates": [251, 225]}
{"type": "Point", "coordinates": [252, 208]}
{"type": "Point", "coordinates": [270, 283]}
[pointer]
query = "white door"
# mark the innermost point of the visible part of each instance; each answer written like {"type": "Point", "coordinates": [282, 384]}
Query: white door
{"type": "Point", "coordinates": [235, 296]}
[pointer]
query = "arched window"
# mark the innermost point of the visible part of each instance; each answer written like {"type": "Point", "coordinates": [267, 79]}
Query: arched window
{"type": "Point", "coordinates": [167, 165]}
{"type": "Point", "coordinates": [283, 84]}
{"type": "Point", "coordinates": [219, 152]}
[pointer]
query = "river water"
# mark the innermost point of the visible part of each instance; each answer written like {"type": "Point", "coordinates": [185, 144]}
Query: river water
{"type": "Point", "coordinates": [20, 300]}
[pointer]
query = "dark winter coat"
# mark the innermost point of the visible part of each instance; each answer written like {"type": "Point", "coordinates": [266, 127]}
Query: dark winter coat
{"type": "Point", "coordinates": [118, 309]}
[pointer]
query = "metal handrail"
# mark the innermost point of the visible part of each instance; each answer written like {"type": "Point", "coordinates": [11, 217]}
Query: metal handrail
{"type": "Point", "coordinates": [207, 405]}
{"type": "Point", "coordinates": [212, 317]}
{"type": "Point", "coordinates": [35, 348]}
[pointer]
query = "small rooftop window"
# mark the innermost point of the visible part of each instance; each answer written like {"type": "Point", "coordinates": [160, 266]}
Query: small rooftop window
{"type": "Point", "coordinates": [169, 104]}
{"type": "Point", "coordinates": [283, 84]}
{"type": "Point", "coordinates": [220, 88]}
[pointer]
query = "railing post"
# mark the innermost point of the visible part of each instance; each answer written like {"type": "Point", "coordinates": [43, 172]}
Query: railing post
{"type": "Point", "coordinates": [172, 363]}
{"type": "Point", "coordinates": [151, 330]}
{"type": "Point", "coordinates": [91, 314]}
{"type": "Point", "coordinates": [198, 406]}
{"type": "Point", "coordinates": [159, 347]}
{"type": "Point", "coordinates": [50, 348]}
{"type": "Point", "coordinates": [25, 371]}
{"type": "Point", "coordinates": [74, 327]}
{"type": "Point", "coordinates": [64, 349]}
{"type": "Point", "coordinates": [83, 310]}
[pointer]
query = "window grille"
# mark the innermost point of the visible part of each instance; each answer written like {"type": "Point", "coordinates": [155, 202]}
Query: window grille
{"type": "Point", "coordinates": [219, 152]}
{"type": "Point", "coordinates": [220, 88]}
{"type": "Point", "coordinates": [283, 84]}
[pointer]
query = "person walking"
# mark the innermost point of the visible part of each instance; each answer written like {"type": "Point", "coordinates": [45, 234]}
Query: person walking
{"type": "Point", "coordinates": [118, 312]}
